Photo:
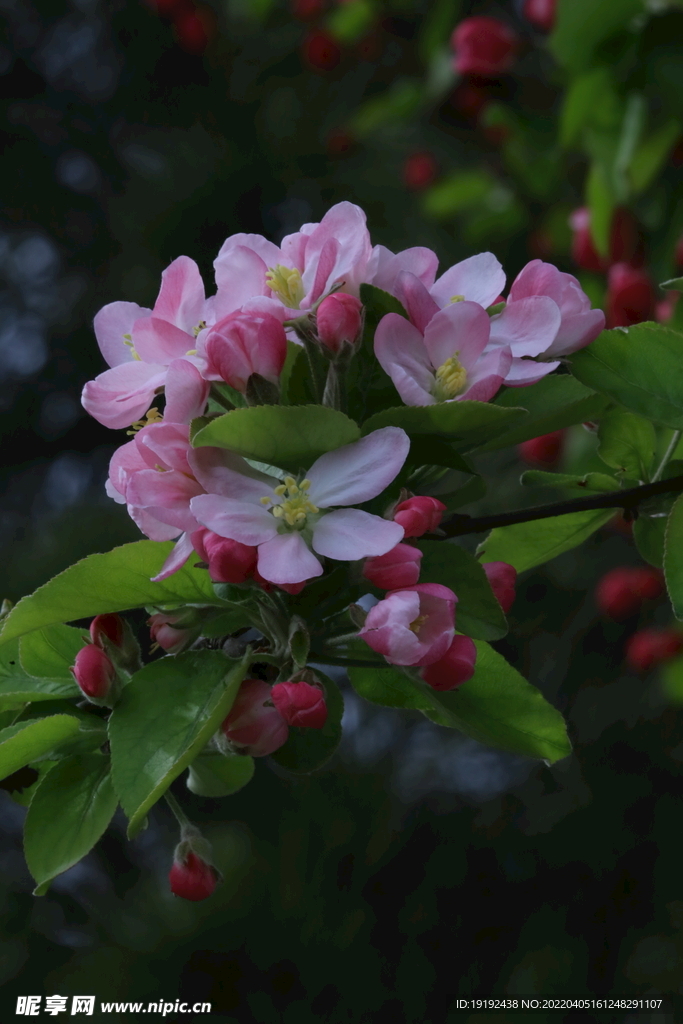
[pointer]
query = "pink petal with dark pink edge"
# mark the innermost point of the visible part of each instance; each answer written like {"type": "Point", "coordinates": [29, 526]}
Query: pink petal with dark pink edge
{"type": "Point", "coordinates": [186, 392]}
{"type": "Point", "coordinates": [181, 296]}
{"type": "Point", "coordinates": [240, 276]}
{"type": "Point", "coordinates": [487, 375]}
{"type": "Point", "coordinates": [528, 326]}
{"type": "Point", "coordinates": [166, 445]}
{"type": "Point", "coordinates": [360, 470]}
{"type": "Point", "coordinates": [576, 332]}
{"type": "Point", "coordinates": [416, 300]}
{"type": "Point", "coordinates": [176, 560]}
{"type": "Point", "coordinates": [125, 461]}
{"type": "Point", "coordinates": [122, 395]}
{"type": "Point", "coordinates": [111, 324]}
{"type": "Point", "coordinates": [287, 559]}
{"type": "Point", "coordinates": [400, 351]}
{"type": "Point", "coordinates": [269, 253]}
{"type": "Point", "coordinates": [222, 472]}
{"type": "Point", "coordinates": [385, 266]}
{"type": "Point", "coordinates": [538, 278]}
{"type": "Point", "coordinates": [170, 490]}
{"type": "Point", "coordinates": [346, 224]}
{"type": "Point", "coordinates": [349, 534]}
{"type": "Point", "coordinates": [157, 341]}
{"type": "Point", "coordinates": [461, 330]}
{"type": "Point", "coordinates": [237, 520]}
{"type": "Point", "coordinates": [480, 279]}
{"type": "Point", "coordinates": [147, 521]}
{"type": "Point", "coordinates": [324, 268]}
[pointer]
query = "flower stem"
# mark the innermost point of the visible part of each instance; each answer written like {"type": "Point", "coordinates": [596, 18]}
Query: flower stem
{"type": "Point", "coordinates": [673, 444]}
{"type": "Point", "coordinates": [178, 812]}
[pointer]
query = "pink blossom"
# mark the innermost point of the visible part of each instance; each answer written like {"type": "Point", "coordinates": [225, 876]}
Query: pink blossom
{"type": "Point", "coordinates": [289, 520]}
{"type": "Point", "coordinates": [94, 673]}
{"type": "Point", "coordinates": [170, 637]}
{"type": "Point", "coordinates": [413, 626]}
{"type": "Point", "coordinates": [399, 568]}
{"type": "Point", "coordinates": [191, 877]}
{"type": "Point", "coordinates": [419, 515]}
{"type": "Point", "coordinates": [293, 275]}
{"type": "Point", "coordinates": [140, 344]}
{"type": "Point", "coordinates": [107, 627]}
{"type": "Point", "coordinates": [244, 343]}
{"type": "Point", "coordinates": [300, 704]}
{"type": "Point", "coordinates": [228, 560]}
{"type": "Point", "coordinates": [252, 727]}
{"type": "Point", "coordinates": [455, 668]}
{"type": "Point", "coordinates": [448, 363]}
{"type": "Point", "coordinates": [338, 320]}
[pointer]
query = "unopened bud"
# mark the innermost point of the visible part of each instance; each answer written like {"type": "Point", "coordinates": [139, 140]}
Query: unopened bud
{"type": "Point", "coordinates": [398, 568]}
{"type": "Point", "coordinates": [456, 666]}
{"type": "Point", "coordinates": [191, 877]}
{"type": "Point", "coordinates": [94, 673]}
{"type": "Point", "coordinates": [253, 727]}
{"type": "Point", "coordinates": [419, 515]}
{"type": "Point", "coordinates": [109, 626]}
{"type": "Point", "coordinates": [166, 631]}
{"type": "Point", "coordinates": [339, 319]}
{"type": "Point", "coordinates": [502, 578]}
{"type": "Point", "coordinates": [300, 704]}
{"type": "Point", "coordinates": [229, 561]}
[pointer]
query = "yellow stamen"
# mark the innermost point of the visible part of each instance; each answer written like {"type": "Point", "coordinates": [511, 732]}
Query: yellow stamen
{"type": "Point", "coordinates": [195, 330]}
{"type": "Point", "coordinates": [296, 505]}
{"type": "Point", "coordinates": [191, 352]}
{"type": "Point", "coordinates": [280, 490]}
{"type": "Point", "coordinates": [449, 380]}
{"type": "Point", "coordinates": [265, 501]}
{"type": "Point", "coordinates": [153, 416]}
{"type": "Point", "coordinates": [286, 282]}
{"type": "Point", "coordinates": [457, 298]}
{"type": "Point", "coordinates": [417, 623]}
{"type": "Point", "coordinates": [128, 341]}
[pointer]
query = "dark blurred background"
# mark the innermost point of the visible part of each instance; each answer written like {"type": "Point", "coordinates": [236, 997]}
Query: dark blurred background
{"type": "Point", "coordinates": [419, 865]}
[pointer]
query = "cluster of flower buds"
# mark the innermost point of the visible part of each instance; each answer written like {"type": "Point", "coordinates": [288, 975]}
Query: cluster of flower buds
{"type": "Point", "coordinates": [110, 658]}
{"type": "Point", "coordinates": [259, 721]}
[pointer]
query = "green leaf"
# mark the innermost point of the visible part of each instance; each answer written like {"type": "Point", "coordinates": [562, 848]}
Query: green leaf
{"type": "Point", "coordinates": [468, 424]}
{"type": "Point", "coordinates": [525, 545]}
{"type": "Point", "coordinates": [296, 354]}
{"type": "Point", "coordinates": [478, 613]}
{"type": "Point", "coordinates": [217, 775]}
{"type": "Point", "coordinates": [555, 402]}
{"type": "Point", "coordinates": [168, 712]}
{"type": "Point", "coordinates": [459, 193]}
{"type": "Point", "coordinates": [306, 750]}
{"type": "Point", "coordinates": [27, 741]}
{"type": "Point", "coordinates": [50, 652]}
{"type": "Point", "coordinates": [671, 679]}
{"type": "Point", "coordinates": [640, 367]}
{"type": "Point", "coordinates": [70, 810]}
{"type": "Point", "coordinates": [581, 26]}
{"type": "Point", "coordinates": [601, 200]}
{"type": "Point", "coordinates": [499, 707]}
{"type": "Point", "coordinates": [288, 436]}
{"type": "Point", "coordinates": [648, 534]}
{"type": "Point", "coordinates": [395, 104]}
{"type": "Point", "coordinates": [587, 482]}
{"type": "Point", "coordinates": [650, 156]}
{"type": "Point", "coordinates": [18, 688]}
{"type": "Point", "coordinates": [437, 27]}
{"type": "Point", "coordinates": [369, 388]}
{"type": "Point", "coordinates": [111, 582]}
{"type": "Point", "coordinates": [627, 443]}
{"type": "Point", "coordinates": [579, 102]}
{"type": "Point", "coordinates": [674, 285]}
{"type": "Point", "coordinates": [350, 20]}
{"type": "Point", "coordinates": [391, 688]}
{"type": "Point", "coordinates": [673, 557]}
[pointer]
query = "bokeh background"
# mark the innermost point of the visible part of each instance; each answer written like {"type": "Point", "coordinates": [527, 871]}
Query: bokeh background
{"type": "Point", "coordinates": [418, 866]}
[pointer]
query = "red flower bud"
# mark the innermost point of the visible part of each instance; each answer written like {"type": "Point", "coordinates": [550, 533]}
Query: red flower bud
{"type": "Point", "coordinates": [399, 568]}
{"type": "Point", "coordinates": [502, 578]}
{"type": "Point", "coordinates": [631, 296]}
{"type": "Point", "coordinates": [94, 672]}
{"type": "Point", "coordinates": [544, 451]}
{"type": "Point", "coordinates": [164, 633]}
{"type": "Point", "coordinates": [626, 241]}
{"type": "Point", "coordinates": [252, 727]}
{"type": "Point", "coordinates": [339, 319]}
{"type": "Point", "coordinates": [300, 704]}
{"type": "Point", "coordinates": [540, 13]}
{"type": "Point", "coordinates": [419, 171]}
{"type": "Point", "coordinates": [289, 588]}
{"type": "Point", "coordinates": [193, 29]}
{"type": "Point", "coordinates": [456, 666]}
{"type": "Point", "coordinates": [484, 47]}
{"type": "Point", "coordinates": [110, 626]}
{"type": "Point", "coordinates": [621, 591]}
{"type": "Point", "coordinates": [650, 647]}
{"type": "Point", "coordinates": [321, 51]}
{"type": "Point", "coordinates": [419, 515]}
{"type": "Point", "coordinates": [192, 878]}
{"type": "Point", "coordinates": [229, 561]}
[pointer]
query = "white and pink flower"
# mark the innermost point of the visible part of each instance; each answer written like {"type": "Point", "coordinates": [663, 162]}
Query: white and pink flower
{"type": "Point", "coordinates": [414, 626]}
{"type": "Point", "coordinates": [292, 522]}
{"type": "Point", "coordinates": [242, 344]}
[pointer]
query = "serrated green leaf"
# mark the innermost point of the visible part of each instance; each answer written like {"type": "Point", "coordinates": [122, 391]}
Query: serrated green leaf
{"type": "Point", "coordinates": [526, 545]}
{"type": "Point", "coordinates": [71, 808]}
{"type": "Point", "coordinates": [25, 742]}
{"type": "Point", "coordinates": [641, 367]}
{"type": "Point", "coordinates": [568, 481]}
{"type": "Point", "coordinates": [648, 534]}
{"type": "Point", "coordinates": [467, 424]}
{"type": "Point", "coordinates": [111, 582]}
{"type": "Point", "coordinates": [650, 156]}
{"type": "Point", "coordinates": [291, 437]}
{"type": "Point", "coordinates": [17, 687]}
{"type": "Point", "coordinates": [627, 443]}
{"type": "Point", "coordinates": [168, 712]}
{"type": "Point", "coordinates": [478, 613]}
{"type": "Point", "coordinates": [306, 750]}
{"type": "Point", "coordinates": [50, 652]}
{"type": "Point", "coordinates": [217, 775]}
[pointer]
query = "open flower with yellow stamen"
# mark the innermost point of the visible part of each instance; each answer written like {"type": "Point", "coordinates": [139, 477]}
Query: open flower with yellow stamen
{"type": "Point", "coordinates": [448, 362]}
{"type": "Point", "coordinates": [291, 519]}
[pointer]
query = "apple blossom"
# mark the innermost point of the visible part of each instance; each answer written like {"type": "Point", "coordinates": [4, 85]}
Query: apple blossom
{"type": "Point", "coordinates": [399, 568]}
{"type": "Point", "coordinates": [228, 560]}
{"type": "Point", "coordinates": [288, 520]}
{"type": "Point", "coordinates": [631, 296]}
{"type": "Point", "coordinates": [166, 631]}
{"type": "Point", "coordinates": [94, 673]}
{"type": "Point", "coordinates": [339, 320]}
{"type": "Point", "coordinates": [414, 626]}
{"type": "Point", "coordinates": [419, 514]}
{"type": "Point", "coordinates": [252, 726]}
{"type": "Point", "coordinates": [300, 704]}
{"type": "Point", "coordinates": [242, 344]}
{"type": "Point", "coordinates": [455, 668]}
{"type": "Point", "coordinates": [109, 626]}
{"type": "Point", "coordinates": [484, 47]}
{"type": "Point", "coordinates": [191, 877]}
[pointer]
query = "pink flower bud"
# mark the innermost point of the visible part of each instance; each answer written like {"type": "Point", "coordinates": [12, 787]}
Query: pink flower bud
{"type": "Point", "coordinates": [94, 672]}
{"type": "Point", "coordinates": [229, 561]}
{"type": "Point", "coordinates": [484, 47]}
{"type": "Point", "coordinates": [502, 578]}
{"type": "Point", "coordinates": [621, 591]}
{"type": "Point", "coordinates": [650, 647]}
{"type": "Point", "coordinates": [320, 50]}
{"type": "Point", "coordinates": [419, 171]}
{"type": "Point", "coordinates": [456, 666]}
{"type": "Point", "coordinates": [109, 626]}
{"type": "Point", "coordinates": [631, 296]}
{"type": "Point", "coordinates": [300, 704]}
{"type": "Point", "coordinates": [339, 319]}
{"type": "Point", "coordinates": [625, 246]}
{"type": "Point", "coordinates": [164, 633]}
{"type": "Point", "coordinates": [251, 727]}
{"type": "Point", "coordinates": [192, 878]}
{"type": "Point", "coordinates": [540, 13]}
{"type": "Point", "coordinates": [419, 515]}
{"type": "Point", "coordinates": [244, 343]}
{"type": "Point", "coordinates": [414, 626]}
{"type": "Point", "coordinates": [399, 568]}
{"type": "Point", "coordinates": [544, 451]}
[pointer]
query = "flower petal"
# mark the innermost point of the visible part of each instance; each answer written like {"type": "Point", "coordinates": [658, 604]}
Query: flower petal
{"type": "Point", "coordinates": [111, 325]}
{"type": "Point", "coordinates": [487, 375]}
{"type": "Point", "coordinates": [186, 392]}
{"type": "Point", "coordinates": [528, 326]}
{"type": "Point", "coordinates": [240, 276]}
{"type": "Point", "coordinates": [360, 470]}
{"type": "Point", "coordinates": [401, 353]}
{"type": "Point", "coordinates": [287, 559]}
{"type": "Point", "coordinates": [347, 225]}
{"type": "Point", "coordinates": [480, 279]}
{"type": "Point", "coordinates": [181, 296]}
{"type": "Point", "coordinates": [157, 341]}
{"type": "Point", "coordinates": [120, 396]}
{"type": "Point", "coordinates": [527, 371]}
{"type": "Point", "coordinates": [176, 560]}
{"type": "Point", "coordinates": [222, 472]}
{"type": "Point", "coordinates": [349, 534]}
{"type": "Point", "coordinates": [384, 266]}
{"type": "Point", "coordinates": [576, 332]}
{"type": "Point", "coordinates": [236, 520]}
{"type": "Point", "coordinates": [460, 329]}
{"type": "Point", "coordinates": [416, 300]}
{"type": "Point", "coordinates": [165, 444]}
